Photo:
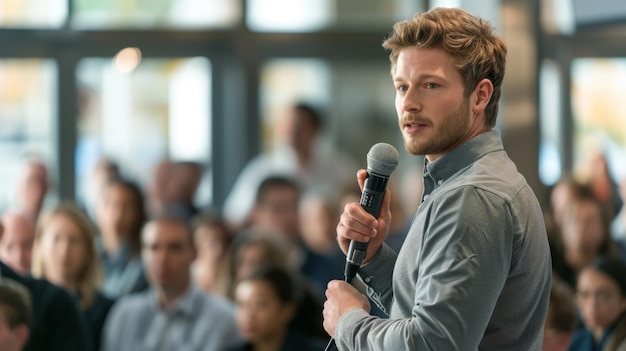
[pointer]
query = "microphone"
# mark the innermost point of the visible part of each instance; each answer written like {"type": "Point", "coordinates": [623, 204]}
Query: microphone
{"type": "Point", "coordinates": [382, 160]}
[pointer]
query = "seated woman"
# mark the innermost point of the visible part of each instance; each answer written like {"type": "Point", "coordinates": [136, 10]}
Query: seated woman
{"type": "Point", "coordinates": [601, 299]}
{"type": "Point", "coordinates": [254, 248]}
{"type": "Point", "coordinates": [64, 253]}
{"type": "Point", "coordinates": [266, 306]}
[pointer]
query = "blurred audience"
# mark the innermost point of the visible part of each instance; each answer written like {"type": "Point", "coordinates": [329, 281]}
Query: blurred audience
{"type": "Point", "coordinates": [121, 215]}
{"type": "Point", "coordinates": [618, 225]}
{"type": "Point", "coordinates": [16, 246]}
{"type": "Point", "coordinates": [212, 237]}
{"type": "Point", "coordinates": [64, 253]}
{"type": "Point", "coordinates": [267, 302]}
{"type": "Point", "coordinates": [319, 215]}
{"type": "Point", "coordinates": [173, 188]}
{"type": "Point", "coordinates": [561, 195]}
{"type": "Point", "coordinates": [254, 248]}
{"type": "Point", "coordinates": [15, 315]}
{"type": "Point", "coordinates": [277, 208]}
{"type": "Point", "coordinates": [562, 318]}
{"type": "Point", "coordinates": [584, 234]}
{"type": "Point", "coordinates": [104, 172]}
{"type": "Point", "coordinates": [602, 183]}
{"type": "Point", "coordinates": [302, 157]}
{"type": "Point", "coordinates": [601, 299]}
{"type": "Point", "coordinates": [173, 314]}
{"type": "Point", "coordinates": [32, 187]}
{"type": "Point", "coordinates": [56, 322]}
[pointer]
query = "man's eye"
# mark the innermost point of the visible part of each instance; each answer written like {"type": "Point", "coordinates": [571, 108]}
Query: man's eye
{"type": "Point", "coordinates": [431, 85]}
{"type": "Point", "coordinates": [402, 88]}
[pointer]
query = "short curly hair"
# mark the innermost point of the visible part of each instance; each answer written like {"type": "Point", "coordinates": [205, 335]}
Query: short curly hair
{"type": "Point", "coordinates": [478, 53]}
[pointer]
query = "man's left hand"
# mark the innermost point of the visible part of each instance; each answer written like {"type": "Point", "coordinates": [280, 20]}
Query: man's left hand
{"type": "Point", "coordinates": [340, 298]}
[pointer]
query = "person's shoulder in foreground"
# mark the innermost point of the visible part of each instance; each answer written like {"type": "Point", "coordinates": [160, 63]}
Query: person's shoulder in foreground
{"type": "Point", "coordinates": [57, 323]}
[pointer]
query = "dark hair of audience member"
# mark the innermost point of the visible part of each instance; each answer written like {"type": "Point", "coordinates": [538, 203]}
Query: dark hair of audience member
{"type": "Point", "coordinates": [137, 201]}
{"type": "Point", "coordinates": [212, 238]}
{"type": "Point", "coordinates": [15, 303]}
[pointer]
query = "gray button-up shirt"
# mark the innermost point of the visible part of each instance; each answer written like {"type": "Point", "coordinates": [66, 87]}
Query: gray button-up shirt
{"type": "Point", "coordinates": [474, 271]}
{"type": "Point", "coordinates": [196, 322]}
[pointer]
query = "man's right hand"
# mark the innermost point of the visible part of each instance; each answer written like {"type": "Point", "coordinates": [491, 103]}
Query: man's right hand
{"type": "Point", "coordinates": [357, 224]}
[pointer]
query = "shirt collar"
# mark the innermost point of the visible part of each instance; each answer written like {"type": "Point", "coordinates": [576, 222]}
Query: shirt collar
{"type": "Point", "coordinates": [185, 305]}
{"type": "Point", "coordinates": [464, 155]}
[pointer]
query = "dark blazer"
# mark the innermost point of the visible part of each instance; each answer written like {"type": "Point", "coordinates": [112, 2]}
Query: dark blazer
{"type": "Point", "coordinates": [57, 324]}
{"type": "Point", "coordinates": [96, 315]}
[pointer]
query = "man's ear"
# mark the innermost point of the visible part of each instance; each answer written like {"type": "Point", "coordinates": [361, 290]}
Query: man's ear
{"type": "Point", "coordinates": [1, 230]}
{"type": "Point", "coordinates": [481, 96]}
{"type": "Point", "coordinates": [21, 334]}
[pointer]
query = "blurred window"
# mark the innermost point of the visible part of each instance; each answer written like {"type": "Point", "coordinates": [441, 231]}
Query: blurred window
{"type": "Point", "coordinates": [315, 15]}
{"type": "Point", "coordinates": [550, 124]}
{"type": "Point", "coordinates": [27, 112]}
{"type": "Point", "coordinates": [599, 111]}
{"type": "Point", "coordinates": [356, 100]}
{"type": "Point", "coordinates": [33, 13]}
{"type": "Point", "coordinates": [138, 115]}
{"type": "Point", "coordinates": [153, 14]}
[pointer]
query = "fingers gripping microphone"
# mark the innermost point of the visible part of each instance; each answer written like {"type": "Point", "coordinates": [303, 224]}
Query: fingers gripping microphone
{"type": "Point", "coordinates": [382, 160]}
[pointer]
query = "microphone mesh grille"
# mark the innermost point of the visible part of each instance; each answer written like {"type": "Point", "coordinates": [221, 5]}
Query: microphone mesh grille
{"type": "Point", "coordinates": [382, 159]}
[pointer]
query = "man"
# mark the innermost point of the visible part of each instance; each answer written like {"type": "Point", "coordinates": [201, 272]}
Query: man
{"type": "Point", "coordinates": [15, 315]}
{"type": "Point", "coordinates": [32, 187]}
{"type": "Point", "coordinates": [276, 208]}
{"type": "Point", "coordinates": [474, 271]}
{"type": "Point", "coordinates": [57, 324]}
{"type": "Point", "coordinates": [301, 157]}
{"type": "Point", "coordinates": [173, 314]}
{"type": "Point", "coordinates": [16, 246]}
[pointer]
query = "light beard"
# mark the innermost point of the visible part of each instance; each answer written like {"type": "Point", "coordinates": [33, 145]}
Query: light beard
{"type": "Point", "coordinates": [447, 135]}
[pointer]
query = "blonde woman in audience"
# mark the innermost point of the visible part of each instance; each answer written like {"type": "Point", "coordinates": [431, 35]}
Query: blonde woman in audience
{"type": "Point", "coordinates": [601, 299]}
{"type": "Point", "coordinates": [64, 253]}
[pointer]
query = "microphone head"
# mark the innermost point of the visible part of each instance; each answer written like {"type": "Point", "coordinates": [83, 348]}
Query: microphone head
{"type": "Point", "coordinates": [382, 159]}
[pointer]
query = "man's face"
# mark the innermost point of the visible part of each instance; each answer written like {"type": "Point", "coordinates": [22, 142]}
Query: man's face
{"type": "Point", "coordinates": [33, 187]}
{"type": "Point", "coordinates": [167, 254]}
{"type": "Point", "coordinates": [279, 211]}
{"type": "Point", "coordinates": [433, 113]}
{"type": "Point", "coordinates": [16, 245]}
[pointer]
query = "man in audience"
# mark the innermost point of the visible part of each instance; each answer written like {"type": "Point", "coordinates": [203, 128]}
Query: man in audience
{"type": "Point", "coordinates": [173, 188]}
{"type": "Point", "coordinates": [173, 314]}
{"type": "Point", "coordinates": [16, 246]}
{"type": "Point", "coordinates": [15, 315]}
{"type": "Point", "coordinates": [57, 324]}
{"type": "Point", "coordinates": [301, 156]}
{"type": "Point", "coordinates": [277, 208]}
{"type": "Point", "coordinates": [32, 187]}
